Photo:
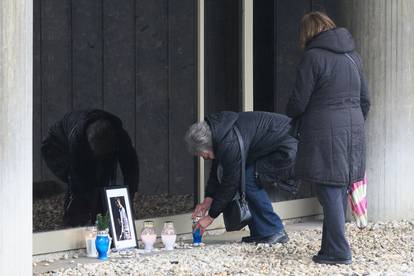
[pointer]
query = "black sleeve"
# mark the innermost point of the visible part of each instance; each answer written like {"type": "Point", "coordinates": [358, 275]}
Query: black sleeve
{"type": "Point", "coordinates": [128, 161]}
{"type": "Point", "coordinates": [306, 79]}
{"type": "Point", "coordinates": [212, 182]}
{"type": "Point", "coordinates": [55, 151]}
{"type": "Point", "coordinates": [230, 182]}
{"type": "Point", "coordinates": [364, 95]}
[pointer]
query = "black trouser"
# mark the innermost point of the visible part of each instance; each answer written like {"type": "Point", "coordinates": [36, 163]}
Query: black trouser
{"type": "Point", "coordinates": [334, 203]}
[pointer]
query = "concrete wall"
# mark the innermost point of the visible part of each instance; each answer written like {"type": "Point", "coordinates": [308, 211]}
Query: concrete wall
{"type": "Point", "coordinates": [15, 137]}
{"type": "Point", "coordinates": [384, 33]}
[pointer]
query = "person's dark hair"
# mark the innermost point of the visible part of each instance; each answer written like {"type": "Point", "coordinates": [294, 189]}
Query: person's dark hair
{"type": "Point", "coordinates": [101, 137]}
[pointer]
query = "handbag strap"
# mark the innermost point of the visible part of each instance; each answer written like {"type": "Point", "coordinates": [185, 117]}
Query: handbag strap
{"type": "Point", "coordinates": [353, 62]}
{"type": "Point", "coordinates": [243, 162]}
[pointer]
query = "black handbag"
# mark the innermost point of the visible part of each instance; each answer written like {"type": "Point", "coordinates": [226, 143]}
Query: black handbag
{"type": "Point", "coordinates": [237, 213]}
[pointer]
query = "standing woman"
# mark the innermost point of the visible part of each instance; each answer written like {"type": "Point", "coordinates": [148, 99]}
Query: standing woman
{"type": "Point", "coordinates": [330, 103]}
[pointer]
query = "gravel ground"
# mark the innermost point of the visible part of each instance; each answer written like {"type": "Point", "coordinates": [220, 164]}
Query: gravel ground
{"type": "Point", "coordinates": [380, 249]}
{"type": "Point", "coordinates": [48, 212]}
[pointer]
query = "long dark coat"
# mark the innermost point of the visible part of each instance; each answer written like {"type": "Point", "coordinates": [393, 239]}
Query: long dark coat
{"type": "Point", "coordinates": [264, 136]}
{"type": "Point", "coordinates": [331, 102]}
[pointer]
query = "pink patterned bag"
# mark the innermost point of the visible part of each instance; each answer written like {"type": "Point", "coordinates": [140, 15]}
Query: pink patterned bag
{"type": "Point", "coordinates": [358, 201]}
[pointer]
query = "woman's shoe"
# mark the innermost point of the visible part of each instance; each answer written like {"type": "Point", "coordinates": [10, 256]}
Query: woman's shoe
{"type": "Point", "coordinates": [323, 259]}
{"type": "Point", "coordinates": [250, 239]}
{"type": "Point", "coordinates": [281, 237]}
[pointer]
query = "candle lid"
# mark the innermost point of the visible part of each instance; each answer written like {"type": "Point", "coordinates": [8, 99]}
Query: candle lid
{"type": "Point", "coordinates": [168, 224]}
{"type": "Point", "coordinates": [148, 223]}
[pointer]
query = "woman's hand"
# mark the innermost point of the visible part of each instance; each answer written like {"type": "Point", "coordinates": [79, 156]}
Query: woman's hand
{"type": "Point", "coordinates": [202, 208]}
{"type": "Point", "coordinates": [204, 223]}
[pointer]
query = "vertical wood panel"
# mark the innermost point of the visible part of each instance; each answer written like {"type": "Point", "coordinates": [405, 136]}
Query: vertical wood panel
{"type": "Point", "coordinates": [56, 64]}
{"type": "Point", "coordinates": [119, 61]}
{"type": "Point", "coordinates": [288, 53]}
{"type": "Point", "coordinates": [264, 55]}
{"type": "Point", "coordinates": [87, 54]}
{"type": "Point", "coordinates": [37, 91]}
{"type": "Point", "coordinates": [182, 106]}
{"type": "Point", "coordinates": [152, 94]}
{"type": "Point", "coordinates": [223, 55]}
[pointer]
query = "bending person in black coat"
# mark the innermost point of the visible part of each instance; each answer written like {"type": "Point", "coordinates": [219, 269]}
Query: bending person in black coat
{"type": "Point", "coordinates": [265, 136]}
{"type": "Point", "coordinates": [83, 149]}
{"type": "Point", "coordinates": [330, 100]}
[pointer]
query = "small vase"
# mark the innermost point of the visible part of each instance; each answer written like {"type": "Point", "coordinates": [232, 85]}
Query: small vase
{"type": "Point", "coordinates": [102, 245]}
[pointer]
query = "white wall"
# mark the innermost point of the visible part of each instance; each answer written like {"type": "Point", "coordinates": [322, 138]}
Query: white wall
{"type": "Point", "coordinates": [384, 33]}
{"type": "Point", "coordinates": [15, 137]}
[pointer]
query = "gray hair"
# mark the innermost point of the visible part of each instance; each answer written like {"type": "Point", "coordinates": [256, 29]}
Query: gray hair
{"type": "Point", "coordinates": [198, 138]}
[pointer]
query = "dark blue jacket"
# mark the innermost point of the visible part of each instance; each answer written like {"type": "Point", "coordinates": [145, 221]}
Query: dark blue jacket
{"type": "Point", "coordinates": [331, 102]}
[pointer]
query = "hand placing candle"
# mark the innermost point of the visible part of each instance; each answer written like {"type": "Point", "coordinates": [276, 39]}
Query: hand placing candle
{"type": "Point", "coordinates": [203, 223]}
{"type": "Point", "coordinates": [202, 208]}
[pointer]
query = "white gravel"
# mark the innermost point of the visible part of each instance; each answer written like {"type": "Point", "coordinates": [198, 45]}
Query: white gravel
{"type": "Point", "coordinates": [381, 249]}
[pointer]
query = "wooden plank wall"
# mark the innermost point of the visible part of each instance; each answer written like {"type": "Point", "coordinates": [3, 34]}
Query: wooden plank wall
{"type": "Point", "coordinates": [276, 51]}
{"type": "Point", "coordinates": [276, 47]}
{"type": "Point", "coordinates": [133, 58]}
{"type": "Point", "coordinates": [223, 55]}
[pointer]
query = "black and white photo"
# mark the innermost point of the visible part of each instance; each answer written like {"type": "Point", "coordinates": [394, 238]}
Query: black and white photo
{"type": "Point", "coordinates": [122, 222]}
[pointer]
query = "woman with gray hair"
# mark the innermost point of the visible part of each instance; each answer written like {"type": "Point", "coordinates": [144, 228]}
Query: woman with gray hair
{"type": "Point", "coordinates": [264, 134]}
{"type": "Point", "coordinates": [200, 141]}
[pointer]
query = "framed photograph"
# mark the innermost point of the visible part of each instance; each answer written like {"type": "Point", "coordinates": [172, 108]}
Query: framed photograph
{"type": "Point", "coordinates": [122, 222]}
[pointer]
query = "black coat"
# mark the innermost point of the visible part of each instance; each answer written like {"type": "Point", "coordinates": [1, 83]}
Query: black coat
{"type": "Point", "coordinates": [331, 101]}
{"type": "Point", "coordinates": [262, 133]}
{"type": "Point", "coordinates": [68, 155]}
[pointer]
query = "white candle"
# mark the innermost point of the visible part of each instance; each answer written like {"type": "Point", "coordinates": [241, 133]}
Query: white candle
{"type": "Point", "coordinates": [91, 248]}
{"type": "Point", "coordinates": [169, 241]}
{"type": "Point", "coordinates": [148, 240]}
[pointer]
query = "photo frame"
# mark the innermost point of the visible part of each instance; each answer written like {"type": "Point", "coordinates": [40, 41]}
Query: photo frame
{"type": "Point", "coordinates": [122, 224]}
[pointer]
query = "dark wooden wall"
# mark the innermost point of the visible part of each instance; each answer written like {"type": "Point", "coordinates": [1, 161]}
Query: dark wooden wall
{"type": "Point", "coordinates": [222, 55]}
{"type": "Point", "coordinates": [134, 58]}
{"type": "Point", "coordinates": [137, 59]}
{"type": "Point", "coordinates": [276, 47]}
